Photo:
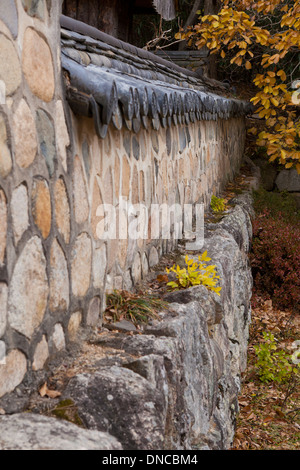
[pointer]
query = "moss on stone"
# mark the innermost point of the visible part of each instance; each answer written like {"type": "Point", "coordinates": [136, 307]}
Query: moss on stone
{"type": "Point", "coordinates": [67, 410]}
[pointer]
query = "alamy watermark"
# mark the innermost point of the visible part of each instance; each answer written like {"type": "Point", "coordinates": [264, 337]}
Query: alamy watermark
{"type": "Point", "coordinates": [296, 354]}
{"type": "Point", "coordinates": [160, 221]}
{"type": "Point", "coordinates": [2, 353]}
{"type": "Point", "coordinates": [2, 92]}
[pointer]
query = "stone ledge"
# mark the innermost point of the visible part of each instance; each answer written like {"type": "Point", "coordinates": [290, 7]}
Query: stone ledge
{"type": "Point", "coordinates": [184, 371]}
{"type": "Point", "coordinates": [26, 431]}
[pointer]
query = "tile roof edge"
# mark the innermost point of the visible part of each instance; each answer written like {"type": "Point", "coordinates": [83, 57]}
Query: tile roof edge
{"type": "Point", "coordinates": [87, 30]}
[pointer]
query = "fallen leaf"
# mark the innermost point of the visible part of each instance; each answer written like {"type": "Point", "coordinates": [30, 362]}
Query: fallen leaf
{"type": "Point", "coordinates": [247, 408]}
{"type": "Point", "coordinates": [268, 419]}
{"type": "Point", "coordinates": [53, 393]}
{"type": "Point", "coordinates": [244, 403]}
{"type": "Point", "coordinates": [45, 392]}
{"type": "Point", "coordinates": [162, 278]}
{"type": "Point", "coordinates": [280, 413]}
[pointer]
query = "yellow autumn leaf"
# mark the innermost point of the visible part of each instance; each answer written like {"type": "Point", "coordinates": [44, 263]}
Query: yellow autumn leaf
{"type": "Point", "coordinates": [274, 101]}
{"type": "Point", "coordinates": [282, 75]}
{"type": "Point", "coordinates": [253, 130]}
{"type": "Point", "coordinates": [273, 158]}
{"type": "Point", "coordinates": [236, 25]}
{"type": "Point", "coordinates": [283, 154]}
{"type": "Point", "coordinates": [275, 58]}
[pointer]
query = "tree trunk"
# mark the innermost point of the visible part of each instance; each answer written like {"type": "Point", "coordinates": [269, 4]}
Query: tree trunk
{"type": "Point", "coordinates": [198, 4]}
{"type": "Point", "coordinates": [212, 7]}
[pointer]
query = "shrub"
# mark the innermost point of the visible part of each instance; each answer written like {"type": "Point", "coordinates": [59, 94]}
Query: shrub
{"type": "Point", "coordinates": [278, 203]}
{"type": "Point", "coordinates": [195, 273]}
{"type": "Point", "coordinates": [217, 204]}
{"type": "Point", "coordinates": [138, 308]}
{"type": "Point", "coordinates": [273, 364]}
{"type": "Point", "coordinates": [275, 259]}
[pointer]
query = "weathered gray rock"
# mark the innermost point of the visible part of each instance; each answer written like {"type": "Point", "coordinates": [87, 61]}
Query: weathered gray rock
{"type": "Point", "coordinates": [46, 136]}
{"type": "Point", "coordinates": [210, 301]}
{"type": "Point", "coordinates": [288, 180]}
{"type": "Point", "coordinates": [268, 173]}
{"type": "Point", "coordinates": [123, 325]}
{"type": "Point", "coordinates": [238, 224]}
{"type": "Point", "coordinates": [118, 401]}
{"type": "Point", "coordinates": [28, 431]}
{"type": "Point", "coordinates": [34, 8]}
{"type": "Point", "coordinates": [9, 15]}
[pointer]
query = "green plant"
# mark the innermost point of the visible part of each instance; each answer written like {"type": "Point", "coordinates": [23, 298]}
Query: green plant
{"type": "Point", "coordinates": [217, 204]}
{"type": "Point", "coordinates": [273, 364]}
{"type": "Point", "coordinates": [277, 203]}
{"type": "Point", "coordinates": [122, 305]}
{"type": "Point", "coordinates": [195, 273]}
{"type": "Point", "coordinates": [67, 410]}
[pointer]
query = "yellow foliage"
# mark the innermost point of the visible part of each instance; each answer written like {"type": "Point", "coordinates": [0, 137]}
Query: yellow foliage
{"type": "Point", "coordinates": [235, 28]}
{"type": "Point", "coordinates": [196, 273]}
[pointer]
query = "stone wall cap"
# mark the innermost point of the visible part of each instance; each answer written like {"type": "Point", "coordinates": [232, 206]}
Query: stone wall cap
{"type": "Point", "coordinates": [116, 82]}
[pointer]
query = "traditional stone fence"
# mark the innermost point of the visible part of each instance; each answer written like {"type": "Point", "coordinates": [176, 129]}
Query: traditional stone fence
{"type": "Point", "coordinates": [55, 173]}
{"type": "Point", "coordinates": [173, 387]}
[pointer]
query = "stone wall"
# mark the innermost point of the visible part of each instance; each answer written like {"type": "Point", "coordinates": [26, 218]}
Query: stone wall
{"type": "Point", "coordinates": [177, 165]}
{"type": "Point", "coordinates": [35, 191]}
{"type": "Point", "coordinates": [55, 173]}
{"type": "Point", "coordinates": [174, 386]}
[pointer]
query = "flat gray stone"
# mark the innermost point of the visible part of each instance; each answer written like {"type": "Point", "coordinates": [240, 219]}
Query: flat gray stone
{"type": "Point", "coordinates": [34, 8]}
{"type": "Point", "coordinates": [9, 15]}
{"type": "Point", "coordinates": [288, 180]}
{"type": "Point", "coordinates": [26, 431]}
{"type": "Point", "coordinates": [123, 403]}
{"type": "Point", "coordinates": [123, 325]}
{"type": "Point", "coordinates": [46, 134]}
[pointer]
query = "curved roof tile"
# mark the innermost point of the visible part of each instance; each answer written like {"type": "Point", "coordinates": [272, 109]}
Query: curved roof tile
{"type": "Point", "coordinates": [115, 82]}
